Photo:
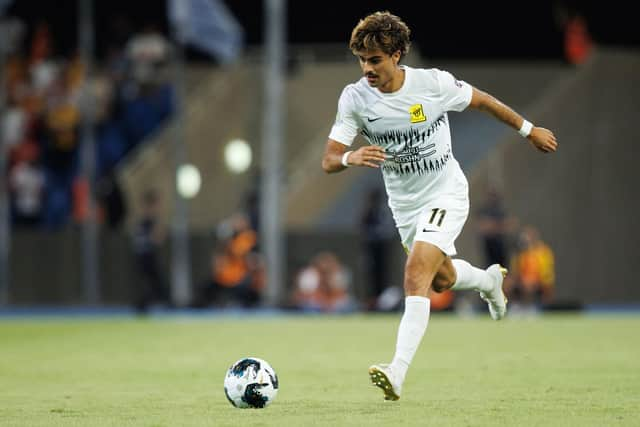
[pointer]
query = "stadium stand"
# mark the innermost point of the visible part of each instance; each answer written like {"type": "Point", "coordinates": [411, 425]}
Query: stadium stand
{"type": "Point", "coordinates": [583, 200]}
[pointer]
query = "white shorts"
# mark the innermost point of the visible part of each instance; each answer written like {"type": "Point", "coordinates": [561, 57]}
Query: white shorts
{"type": "Point", "coordinates": [438, 222]}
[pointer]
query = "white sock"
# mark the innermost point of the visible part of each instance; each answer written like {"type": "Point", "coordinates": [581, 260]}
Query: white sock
{"type": "Point", "coordinates": [412, 326]}
{"type": "Point", "coordinates": [470, 277]}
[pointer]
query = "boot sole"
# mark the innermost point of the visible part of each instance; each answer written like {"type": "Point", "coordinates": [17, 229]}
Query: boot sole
{"type": "Point", "coordinates": [380, 380]}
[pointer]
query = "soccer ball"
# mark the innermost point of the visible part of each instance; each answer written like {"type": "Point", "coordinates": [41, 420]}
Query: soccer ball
{"type": "Point", "coordinates": [251, 383]}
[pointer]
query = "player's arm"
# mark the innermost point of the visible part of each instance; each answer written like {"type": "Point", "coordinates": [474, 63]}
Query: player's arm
{"type": "Point", "coordinates": [335, 154]}
{"type": "Point", "coordinates": [541, 138]}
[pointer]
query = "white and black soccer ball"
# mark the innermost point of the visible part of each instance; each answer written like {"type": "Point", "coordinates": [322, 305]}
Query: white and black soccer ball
{"type": "Point", "coordinates": [251, 383]}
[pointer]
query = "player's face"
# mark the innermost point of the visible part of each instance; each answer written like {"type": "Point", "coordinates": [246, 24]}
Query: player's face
{"type": "Point", "coordinates": [378, 67]}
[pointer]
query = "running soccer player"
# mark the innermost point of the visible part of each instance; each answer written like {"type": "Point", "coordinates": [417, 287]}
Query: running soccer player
{"type": "Point", "coordinates": [402, 113]}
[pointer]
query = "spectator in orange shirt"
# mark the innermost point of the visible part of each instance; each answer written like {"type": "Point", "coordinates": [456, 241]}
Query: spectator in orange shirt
{"type": "Point", "coordinates": [237, 269]}
{"type": "Point", "coordinates": [531, 280]}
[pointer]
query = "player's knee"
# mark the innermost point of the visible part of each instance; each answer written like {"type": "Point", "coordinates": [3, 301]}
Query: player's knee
{"type": "Point", "coordinates": [443, 281]}
{"type": "Point", "coordinates": [440, 284]}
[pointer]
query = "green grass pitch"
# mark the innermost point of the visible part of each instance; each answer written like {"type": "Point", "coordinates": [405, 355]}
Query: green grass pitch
{"type": "Point", "coordinates": [558, 370]}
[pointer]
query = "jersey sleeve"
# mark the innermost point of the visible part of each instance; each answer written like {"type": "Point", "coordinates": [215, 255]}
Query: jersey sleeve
{"type": "Point", "coordinates": [345, 128]}
{"type": "Point", "coordinates": [455, 94]}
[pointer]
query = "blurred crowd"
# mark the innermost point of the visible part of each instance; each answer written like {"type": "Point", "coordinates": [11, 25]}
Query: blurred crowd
{"type": "Point", "coordinates": [48, 98]}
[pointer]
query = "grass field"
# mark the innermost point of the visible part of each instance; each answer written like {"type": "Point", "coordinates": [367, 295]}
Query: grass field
{"type": "Point", "coordinates": [168, 371]}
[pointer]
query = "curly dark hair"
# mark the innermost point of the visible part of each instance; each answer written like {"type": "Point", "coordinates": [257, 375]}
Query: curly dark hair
{"type": "Point", "coordinates": [381, 30]}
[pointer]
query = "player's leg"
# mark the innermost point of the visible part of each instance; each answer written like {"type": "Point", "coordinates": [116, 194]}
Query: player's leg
{"type": "Point", "coordinates": [458, 275]}
{"type": "Point", "coordinates": [423, 262]}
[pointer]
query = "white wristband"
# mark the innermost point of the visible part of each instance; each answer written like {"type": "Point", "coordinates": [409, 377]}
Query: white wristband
{"type": "Point", "coordinates": [525, 129]}
{"type": "Point", "coordinates": [344, 159]}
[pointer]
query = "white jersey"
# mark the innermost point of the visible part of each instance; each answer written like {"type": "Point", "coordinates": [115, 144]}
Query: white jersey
{"type": "Point", "coordinates": [412, 126]}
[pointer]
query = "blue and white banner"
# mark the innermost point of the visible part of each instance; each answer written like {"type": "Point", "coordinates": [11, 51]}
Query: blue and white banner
{"type": "Point", "coordinates": [208, 26]}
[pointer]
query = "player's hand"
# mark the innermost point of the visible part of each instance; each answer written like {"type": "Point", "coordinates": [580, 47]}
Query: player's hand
{"type": "Point", "coordinates": [368, 155]}
{"type": "Point", "coordinates": [543, 139]}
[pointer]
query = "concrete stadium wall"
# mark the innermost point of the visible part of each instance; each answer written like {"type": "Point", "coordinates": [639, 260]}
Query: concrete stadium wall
{"type": "Point", "coordinates": [46, 268]}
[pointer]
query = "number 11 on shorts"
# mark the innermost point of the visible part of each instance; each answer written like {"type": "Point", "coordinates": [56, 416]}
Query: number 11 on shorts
{"type": "Point", "coordinates": [439, 214]}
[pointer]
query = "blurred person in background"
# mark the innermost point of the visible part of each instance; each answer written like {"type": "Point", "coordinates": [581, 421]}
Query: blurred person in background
{"type": "Point", "coordinates": [147, 95]}
{"type": "Point", "coordinates": [148, 52]}
{"type": "Point", "coordinates": [237, 275]}
{"type": "Point", "coordinates": [148, 237]}
{"type": "Point", "coordinates": [323, 286]}
{"type": "Point", "coordinates": [26, 187]}
{"type": "Point", "coordinates": [373, 231]}
{"type": "Point", "coordinates": [578, 44]}
{"type": "Point", "coordinates": [531, 281]}
{"type": "Point", "coordinates": [14, 123]}
{"type": "Point", "coordinates": [402, 113]}
{"type": "Point", "coordinates": [494, 227]}
{"type": "Point", "coordinates": [113, 206]}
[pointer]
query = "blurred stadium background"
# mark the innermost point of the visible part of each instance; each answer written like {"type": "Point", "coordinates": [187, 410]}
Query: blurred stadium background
{"type": "Point", "coordinates": [163, 157]}
{"type": "Point", "coordinates": [103, 101]}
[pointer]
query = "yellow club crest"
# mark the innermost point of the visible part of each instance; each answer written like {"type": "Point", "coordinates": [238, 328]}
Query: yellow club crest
{"type": "Point", "coordinates": [417, 113]}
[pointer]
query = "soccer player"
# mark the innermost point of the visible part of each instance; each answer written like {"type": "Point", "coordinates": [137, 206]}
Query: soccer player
{"type": "Point", "coordinates": [402, 113]}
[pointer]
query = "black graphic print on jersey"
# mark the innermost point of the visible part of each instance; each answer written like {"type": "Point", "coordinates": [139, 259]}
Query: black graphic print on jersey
{"type": "Point", "coordinates": [408, 150]}
{"type": "Point", "coordinates": [420, 165]}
